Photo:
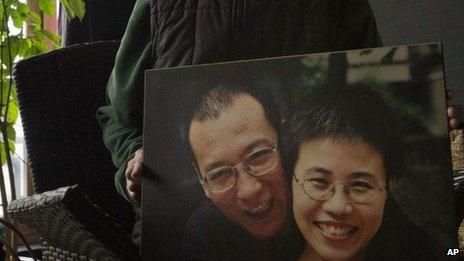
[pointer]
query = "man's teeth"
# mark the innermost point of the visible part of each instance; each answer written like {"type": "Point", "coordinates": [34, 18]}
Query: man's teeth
{"type": "Point", "coordinates": [336, 231]}
{"type": "Point", "coordinates": [262, 208]}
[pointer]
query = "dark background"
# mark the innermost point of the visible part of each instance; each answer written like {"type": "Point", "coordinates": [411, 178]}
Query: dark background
{"type": "Point", "coordinates": [418, 21]}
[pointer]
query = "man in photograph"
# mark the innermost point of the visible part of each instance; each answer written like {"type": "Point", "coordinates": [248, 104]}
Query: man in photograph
{"type": "Point", "coordinates": [234, 137]}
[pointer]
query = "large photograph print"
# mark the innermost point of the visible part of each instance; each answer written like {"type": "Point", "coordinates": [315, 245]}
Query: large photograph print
{"type": "Point", "coordinates": [332, 156]}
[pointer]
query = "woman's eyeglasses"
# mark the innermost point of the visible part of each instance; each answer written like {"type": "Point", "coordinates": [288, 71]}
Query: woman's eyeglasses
{"type": "Point", "coordinates": [358, 190]}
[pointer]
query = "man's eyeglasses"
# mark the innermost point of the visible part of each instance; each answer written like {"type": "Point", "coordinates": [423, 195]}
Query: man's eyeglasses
{"type": "Point", "coordinates": [360, 191]}
{"type": "Point", "coordinates": [258, 163]}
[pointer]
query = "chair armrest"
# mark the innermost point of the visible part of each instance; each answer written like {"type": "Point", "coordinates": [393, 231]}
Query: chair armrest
{"type": "Point", "coordinates": [67, 219]}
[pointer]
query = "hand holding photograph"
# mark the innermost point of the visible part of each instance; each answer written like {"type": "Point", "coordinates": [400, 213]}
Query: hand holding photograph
{"type": "Point", "coordinates": [331, 156]}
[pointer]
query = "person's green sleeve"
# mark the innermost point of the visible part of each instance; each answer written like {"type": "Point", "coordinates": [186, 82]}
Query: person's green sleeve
{"type": "Point", "coordinates": [122, 118]}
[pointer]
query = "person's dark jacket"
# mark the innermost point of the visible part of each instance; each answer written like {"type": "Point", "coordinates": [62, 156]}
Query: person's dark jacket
{"type": "Point", "coordinates": [209, 235]}
{"type": "Point", "coordinates": [168, 33]}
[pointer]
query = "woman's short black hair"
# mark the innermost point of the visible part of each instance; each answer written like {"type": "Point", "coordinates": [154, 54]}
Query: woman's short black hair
{"type": "Point", "coordinates": [349, 113]}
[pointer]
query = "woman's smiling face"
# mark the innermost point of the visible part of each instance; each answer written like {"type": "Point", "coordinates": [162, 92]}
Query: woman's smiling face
{"type": "Point", "coordinates": [338, 228]}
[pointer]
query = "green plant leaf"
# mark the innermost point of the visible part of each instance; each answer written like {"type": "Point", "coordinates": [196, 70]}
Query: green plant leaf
{"type": "Point", "coordinates": [11, 132]}
{"type": "Point", "coordinates": [22, 8]}
{"type": "Point", "coordinates": [2, 27]}
{"type": "Point", "coordinates": [35, 19]}
{"type": "Point", "coordinates": [11, 150]}
{"type": "Point", "coordinates": [17, 17]}
{"type": "Point", "coordinates": [23, 47]}
{"type": "Point", "coordinates": [28, 47]}
{"type": "Point", "coordinates": [13, 112]}
{"type": "Point", "coordinates": [12, 146]}
{"type": "Point", "coordinates": [2, 153]}
{"type": "Point", "coordinates": [4, 91]}
{"type": "Point", "coordinates": [14, 44]}
{"type": "Point", "coordinates": [13, 94]}
{"type": "Point", "coordinates": [67, 7]}
{"type": "Point", "coordinates": [5, 54]}
{"type": "Point", "coordinates": [74, 8]}
{"type": "Point", "coordinates": [47, 6]}
{"type": "Point", "coordinates": [51, 36]}
{"type": "Point", "coordinates": [39, 43]}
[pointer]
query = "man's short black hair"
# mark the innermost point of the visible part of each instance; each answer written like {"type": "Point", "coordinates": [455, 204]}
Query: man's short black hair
{"type": "Point", "coordinates": [220, 97]}
{"type": "Point", "coordinates": [349, 113]}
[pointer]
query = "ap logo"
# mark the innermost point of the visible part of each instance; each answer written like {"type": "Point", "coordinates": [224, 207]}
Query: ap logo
{"type": "Point", "coordinates": [452, 252]}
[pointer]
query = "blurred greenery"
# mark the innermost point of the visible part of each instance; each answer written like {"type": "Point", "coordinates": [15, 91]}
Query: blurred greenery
{"type": "Point", "coordinates": [402, 98]}
{"type": "Point", "coordinates": [317, 70]}
{"type": "Point", "coordinates": [405, 108]}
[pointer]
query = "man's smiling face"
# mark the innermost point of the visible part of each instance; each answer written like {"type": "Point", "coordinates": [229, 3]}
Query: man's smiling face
{"type": "Point", "coordinates": [259, 204]}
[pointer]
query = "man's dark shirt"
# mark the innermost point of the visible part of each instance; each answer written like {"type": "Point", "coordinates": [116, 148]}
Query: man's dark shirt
{"type": "Point", "coordinates": [209, 235]}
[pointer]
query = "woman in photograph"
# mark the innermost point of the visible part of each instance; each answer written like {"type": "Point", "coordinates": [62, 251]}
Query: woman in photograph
{"type": "Point", "coordinates": [344, 155]}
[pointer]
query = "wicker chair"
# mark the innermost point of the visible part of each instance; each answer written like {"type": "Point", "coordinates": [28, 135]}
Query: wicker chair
{"type": "Point", "coordinates": [457, 153]}
{"type": "Point", "coordinates": [58, 94]}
